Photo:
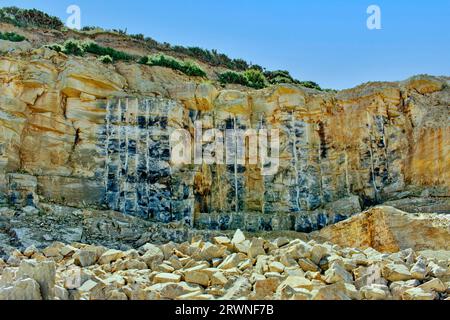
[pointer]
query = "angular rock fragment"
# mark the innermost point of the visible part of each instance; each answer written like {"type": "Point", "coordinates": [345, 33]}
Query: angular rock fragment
{"type": "Point", "coordinates": [43, 273]}
{"type": "Point", "coordinates": [197, 277]}
{"type": "Point", "coordinates": [166, 277]}
{"type": "Point", "coordinates": [86, 258]}
{"type": "Point", "coordinates": [110, 256]}
{"type": "Point", "coordinates": [396, 272]}
{"type": "Point", "coordinates": [336, 273]}
{"type": "Point", "coordinates": [418, 294]}
{"type": "Point", "coordinates": [23, 289]}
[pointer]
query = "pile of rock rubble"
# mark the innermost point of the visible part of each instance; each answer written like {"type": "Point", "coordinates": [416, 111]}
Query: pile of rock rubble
{"type": "Point", "coordinates": [225, 268]}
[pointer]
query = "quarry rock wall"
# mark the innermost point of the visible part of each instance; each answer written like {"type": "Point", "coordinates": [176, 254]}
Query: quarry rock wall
{"type": "Point", "coordinates": [76, 132]}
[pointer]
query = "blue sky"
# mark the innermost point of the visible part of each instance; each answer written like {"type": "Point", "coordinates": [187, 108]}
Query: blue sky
{"type": "Point", "coordinates": [326, 41]}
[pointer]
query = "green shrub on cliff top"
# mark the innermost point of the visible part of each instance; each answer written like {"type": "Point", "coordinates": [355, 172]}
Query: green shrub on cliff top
{"type": "Point", "coordinates": [233, 77]}
{"type": "Point", "coordinates": [192, 69]}
{"type": "Point", "coordinates": [187, 67]}
{"type": "Point", "coordinates": [143, 60]}
{"type": "Point", "coordinates": [55, 46]}
{"type": "Point", "coordinates": [11, 36]}
{"type": "Point", "coordinates": [279, 76]}
{"type": "Point", "coordinates": [283, 76]}
{"type": "Point", "coordinates": [164, 61]}
{"type": "Point", "coordinates": [79, 48]}
{"type": "Point", "coordinates": [310, 84]}
{"type": "Point", "coordinates": [73, 47]}
{"type": "Point", "coordinates": [212, 57]}
{"type": "Point", "coordinates": [29, 18]}
{"type": "Point", "coordinates": [255, 78]}
{"type": "Point", "coordinates": [251, 78]}
{"type": "Point", "coordinates": [116, 55]}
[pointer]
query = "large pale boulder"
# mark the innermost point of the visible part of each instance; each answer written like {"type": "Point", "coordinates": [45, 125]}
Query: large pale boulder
{"type": "Point", "coordinates": [418, 294]}
{"type": "Point", "coordinates": [396, 272]}
{"type": "Point", "coordinates": [197, 277]}
{"type": "Point", "coordinates": [24, 289]}
{"type": "Point", "coordinates": [387, 229]}
{"type": "Point", "coordinates": [85, 258]}
{"type": "Point", "coordinates": [336, 273]}
{"type": "Point", "coordinates": [152, 255]}
{"type": "Point", "coordinates": [43, 272]}
{"type": "Point", "coordinates": [167, 277]}
{"type": "Point", "coordinates": [335, 291]}
{"type": "Point", "coordinates": [110, 256]}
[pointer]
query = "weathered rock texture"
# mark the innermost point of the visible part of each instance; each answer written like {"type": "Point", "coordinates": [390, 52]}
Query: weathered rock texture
{"type": "Point", "coordinates": [76, 132]}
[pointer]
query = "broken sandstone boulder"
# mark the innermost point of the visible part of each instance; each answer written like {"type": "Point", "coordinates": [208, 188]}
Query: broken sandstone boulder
{"type": "Point", "coordinates": [43, 273]}
{"type": "Point", "coordinates": [23, 289]}
{"type": "Point", "coordinates": [387, 229]}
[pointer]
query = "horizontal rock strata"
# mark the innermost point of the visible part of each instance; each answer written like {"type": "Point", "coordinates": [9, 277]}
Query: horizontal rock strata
{"type": "Point", "coordinates": [76, 132]}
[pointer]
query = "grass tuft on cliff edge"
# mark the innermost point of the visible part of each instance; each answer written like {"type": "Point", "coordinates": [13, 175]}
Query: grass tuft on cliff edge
{"type": "Point", "coordinates": [80, 48]}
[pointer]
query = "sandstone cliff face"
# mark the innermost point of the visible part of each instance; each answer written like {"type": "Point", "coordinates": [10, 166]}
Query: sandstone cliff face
{"type": "Point", "coordinates": [79, 133]}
